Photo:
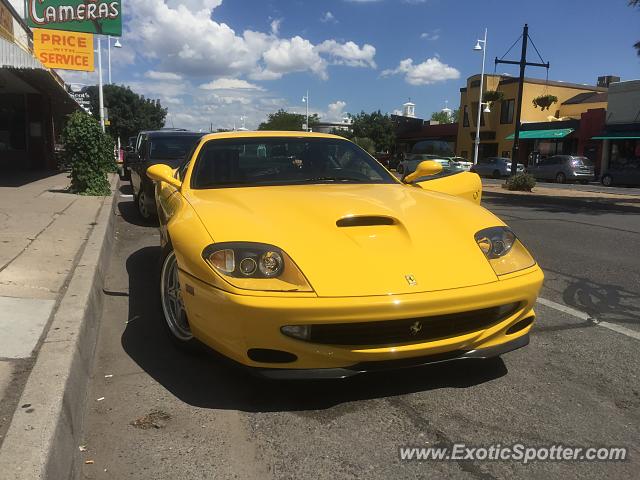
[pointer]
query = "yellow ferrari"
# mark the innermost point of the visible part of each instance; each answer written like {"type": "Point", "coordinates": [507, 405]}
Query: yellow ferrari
{"type": "Point", "coordinates": [301, 256]}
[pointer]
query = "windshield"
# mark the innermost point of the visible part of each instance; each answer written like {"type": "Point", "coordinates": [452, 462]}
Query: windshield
{"type": "Point", "coordinates": [438, 148]}
{"type": "Point", "coordinates": [171, 147]}
{"type": "Point", "coordinates": [247, 162]}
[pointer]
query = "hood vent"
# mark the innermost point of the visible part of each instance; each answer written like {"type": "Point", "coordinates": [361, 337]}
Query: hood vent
{"type": "Point", "coordinates": [365, 221]}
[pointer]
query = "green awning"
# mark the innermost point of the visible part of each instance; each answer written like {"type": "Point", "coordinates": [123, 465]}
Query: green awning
{"type": "Point", "coordinates": [532, 134]}
{"type": "Point", "coordinates": [618, 136]}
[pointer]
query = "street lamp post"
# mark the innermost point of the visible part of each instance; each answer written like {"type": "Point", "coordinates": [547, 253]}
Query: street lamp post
{"type": "Point", "coordinates": [480, 103]}
{"type": "Point", "coordinates": [305, 99]}
{"type": "Point", "coordinates": [115, 45]}
{"type": "Point", "coordinates": [100, 92]}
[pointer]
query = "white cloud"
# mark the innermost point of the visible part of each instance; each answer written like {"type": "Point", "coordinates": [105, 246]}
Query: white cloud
{"type": "Point", "coordinates": [432, 70]}
{"type": "Point", "coordinates": [294, 55]}
{"type": "Point", "coordinates": [335, 111]}
{"type": "Point", "coordinates": [230, 84]}
{"type": "Point", "coordinates": [168, 76]}
{"type": "Point", "coordinates": [349, 53]}
{"type": "Point", "coordinates": [275, 26]}
{"type": "Point", "coordinates": [182, 36]}
{"type": "Point", "coordinates": [433, 35]}
{"type": "Point", "coordinates": [328, 17]}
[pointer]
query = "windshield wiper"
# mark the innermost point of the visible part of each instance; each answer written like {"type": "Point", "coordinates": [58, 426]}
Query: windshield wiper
{"type": "Point", "coordinates": [333, 179]}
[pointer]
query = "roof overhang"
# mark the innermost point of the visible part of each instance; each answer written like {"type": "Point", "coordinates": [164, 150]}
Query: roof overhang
{"type": "Point", "coordinates": [28, 69]}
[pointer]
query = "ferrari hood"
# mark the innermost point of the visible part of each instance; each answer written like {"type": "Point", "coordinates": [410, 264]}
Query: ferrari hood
{"type": "Point", "coordinates": [357, 240]}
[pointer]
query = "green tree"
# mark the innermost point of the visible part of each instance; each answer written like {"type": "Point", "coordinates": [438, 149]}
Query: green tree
{"type": "Point", "coordinates": [129, 112]}
{"type": "Point", "coordinates": [375, 126]}
{"type": "Point", "coordinates": [283, 120]}
{"type": "Point", "coordinates": [445, 117]}
{"type": "Point", "coordinates": [89, 152]}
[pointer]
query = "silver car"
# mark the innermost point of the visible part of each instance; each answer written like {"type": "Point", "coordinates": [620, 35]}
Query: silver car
{"type": "Point", "coordinates": [564, 168]}
{"type": "Point", "coordinates": [495, 167]}
{"type": "Point", "coordinates": [410, 164]}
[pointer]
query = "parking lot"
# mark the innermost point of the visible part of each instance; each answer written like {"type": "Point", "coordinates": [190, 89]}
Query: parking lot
{"type": "Point", "coordinates": [155, 412]}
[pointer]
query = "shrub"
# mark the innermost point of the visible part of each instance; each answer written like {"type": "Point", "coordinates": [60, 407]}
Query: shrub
{"type": "Point", "coordinates": [89, 153]}
{"type": "Point", "coordinates": [522, 182]}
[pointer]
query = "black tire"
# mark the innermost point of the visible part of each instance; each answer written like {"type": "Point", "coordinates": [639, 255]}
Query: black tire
{"type": "Point", "coordinates": [497, 174]}
{"type": "Point", "coordinates": [607, 180]}
{"type": "Point", "coordinates": [178, 330]}
{"type": "Point", "coordinates": [141, 206]}
{"type": "Point", "coordinates": [561, 178]}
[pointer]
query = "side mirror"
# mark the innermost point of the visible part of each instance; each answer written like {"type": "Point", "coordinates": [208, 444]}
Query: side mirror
{"type": "Point", "coordinates": [163, 173]}
{"type": "Point", "coordinates": [424, 169]}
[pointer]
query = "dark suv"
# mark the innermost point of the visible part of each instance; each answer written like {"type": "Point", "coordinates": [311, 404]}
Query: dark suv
{"type": "Point", "coordinates": [170, 147]}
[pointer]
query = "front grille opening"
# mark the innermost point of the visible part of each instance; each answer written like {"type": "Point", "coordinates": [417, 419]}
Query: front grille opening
{"type": "Point", "coordinates": [410, 330]}
{"type": "Point", "coordinates": [266, 355]}
{"type": "Point", "coordinates": [365, 221]}
{"type": "Point", "coordinates": [521, 325]}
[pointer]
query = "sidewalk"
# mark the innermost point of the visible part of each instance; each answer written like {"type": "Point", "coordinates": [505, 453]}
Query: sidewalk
{"type": "Point", "coordinates": [42, 234]}
{"type": "Point", "coordinates": [550, 194]}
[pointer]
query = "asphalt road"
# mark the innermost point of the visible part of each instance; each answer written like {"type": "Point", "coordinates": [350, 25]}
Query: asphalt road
{"type": "Point", "coordinates": [575, 384]}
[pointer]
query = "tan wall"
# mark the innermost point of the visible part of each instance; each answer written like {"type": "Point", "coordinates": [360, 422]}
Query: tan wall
{"type": "Point", "coordinates": [575, 110]}
{"type": "Point", "coordinates": [466, 135]}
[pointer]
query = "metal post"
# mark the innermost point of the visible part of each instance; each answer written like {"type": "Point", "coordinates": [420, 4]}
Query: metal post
{"type": "Point", "coordinates": [100, 92]}
{"type": "Point", "coordinates": [307, 102]}
{"type": "Point", "coordinates": [477, 142]}
{"type": "Point", "coordinates": [515, 153]}
{"type": "Point", "coordinates": [109, 55]}
{"type": "Point", "coordinates": [522, 64]}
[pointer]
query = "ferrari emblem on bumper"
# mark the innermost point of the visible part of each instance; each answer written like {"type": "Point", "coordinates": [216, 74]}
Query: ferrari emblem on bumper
{"type": "Point", "coordinates": [415, 328]}
{"type": "Point", "coordinates": [411, 280]}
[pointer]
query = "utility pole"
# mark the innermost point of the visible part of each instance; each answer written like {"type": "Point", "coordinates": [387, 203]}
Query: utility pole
{"type": "Point", "coordinates": [523, 64]}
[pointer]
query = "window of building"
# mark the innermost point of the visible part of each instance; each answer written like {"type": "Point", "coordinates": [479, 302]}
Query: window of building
{"type": "Point", "coordinates": [506, 111]}
{"type": "Point", "coordinates": [465, 117]}
{"type": "Point", "coordinates": [13, 118]}
{"type": "Point", "coordinates": [474, 108]}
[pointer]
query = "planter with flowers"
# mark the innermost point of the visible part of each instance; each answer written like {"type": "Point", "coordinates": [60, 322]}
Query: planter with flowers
{"type": "Point", "coordinates": [544, 101]}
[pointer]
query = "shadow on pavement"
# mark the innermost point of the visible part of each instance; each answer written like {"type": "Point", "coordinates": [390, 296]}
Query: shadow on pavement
{"type": "Point", "coordinates": [20, 178]}
{"type": "Point", "coordinates": [209, 381]}
{"type": "Point", "coordinates": [129, 214]}
{"type": "Point", "coordinates": [563, 204]}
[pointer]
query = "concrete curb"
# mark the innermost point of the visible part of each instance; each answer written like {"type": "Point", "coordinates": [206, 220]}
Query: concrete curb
{"type": "Point", "coordinates": [42, 440]}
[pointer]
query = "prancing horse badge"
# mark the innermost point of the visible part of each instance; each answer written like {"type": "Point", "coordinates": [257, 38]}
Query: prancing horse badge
{"type": "Point", "coordinates": [411, 280]}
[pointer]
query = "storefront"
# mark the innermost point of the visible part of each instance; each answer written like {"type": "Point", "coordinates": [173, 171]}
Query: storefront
{"type": "Point", "coordinates": [33, 101]}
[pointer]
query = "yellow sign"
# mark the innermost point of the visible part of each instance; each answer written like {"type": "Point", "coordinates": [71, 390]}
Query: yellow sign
{"type": "Point", "coordinates": [64, 50]}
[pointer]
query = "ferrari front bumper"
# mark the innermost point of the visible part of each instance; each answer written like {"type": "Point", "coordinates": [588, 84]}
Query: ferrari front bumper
{"type": "Point", "coordinates": [235, 325]}
{"type": "Point", "coordinates": [380, 366]}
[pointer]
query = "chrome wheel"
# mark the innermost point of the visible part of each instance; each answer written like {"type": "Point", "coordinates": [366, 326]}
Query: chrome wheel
{"type": "Point", "coordinates": [172, 304]}
{"type": "Point", "coordinates": [142, 205]}
{"type": "Point", "coordinates": [607, 180]}
{"type": "Point", "coordinates": [560, 178]}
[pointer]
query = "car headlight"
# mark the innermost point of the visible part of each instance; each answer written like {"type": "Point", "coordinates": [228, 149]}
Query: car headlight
{"type": "Point", "coordinates": [255, 266]}
{"type": "Point", "coordinates": [505, 252]}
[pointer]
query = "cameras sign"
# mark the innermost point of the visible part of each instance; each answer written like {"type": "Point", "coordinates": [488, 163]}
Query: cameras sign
{"type": "Point", "coordinates": [64, 50]}
{"type": "Point", "coordinates": [103, 17]}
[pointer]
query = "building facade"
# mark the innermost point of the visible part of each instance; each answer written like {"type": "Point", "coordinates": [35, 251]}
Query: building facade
{"type": "Point", "coordinates": [498, 126]}
{"type": "Point", "coordinates": [33, 99]}
{"type": "Point", "coordinates": [621, 134]}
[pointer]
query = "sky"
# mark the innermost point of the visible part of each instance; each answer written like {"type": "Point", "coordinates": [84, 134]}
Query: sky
{"type": "Point", "coordinates": [229, 62]}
